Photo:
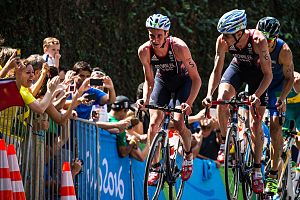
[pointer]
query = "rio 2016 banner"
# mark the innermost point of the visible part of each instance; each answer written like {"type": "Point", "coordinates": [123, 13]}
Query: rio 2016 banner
{"type": "Point", "coordinates": [105, 175]}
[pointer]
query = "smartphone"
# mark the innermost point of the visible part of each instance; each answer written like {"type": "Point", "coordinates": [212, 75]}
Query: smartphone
{"type": "Point", "coordinates": [91, 97]}
{"type": "Point", "coordinates": [97, 82]}
{"type": "Point", "coordinates": [72, 88]}
{"type": "Point", "coordinates": [18, 53]}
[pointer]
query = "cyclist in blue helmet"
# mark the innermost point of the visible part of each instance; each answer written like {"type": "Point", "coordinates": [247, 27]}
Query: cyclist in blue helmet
{"type": "Point", "coordinates": [176, 72]}
{"type": "Point", "coordinates": [251, 64]}
{"type": "Point", "coordinates": [281, 85]}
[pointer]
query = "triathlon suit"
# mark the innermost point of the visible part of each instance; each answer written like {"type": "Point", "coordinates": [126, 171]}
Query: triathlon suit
{"type": "Point", "coordinates": [275, 87]}
{"type": "Point", "coordinates": [245, 68]}
{"type": "Point", "coordinates": [171, 78]}
{"type": "Point", "coordinates": [293, 109]}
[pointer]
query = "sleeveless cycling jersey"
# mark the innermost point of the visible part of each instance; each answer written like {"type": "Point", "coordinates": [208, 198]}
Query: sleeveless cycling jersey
{"type": "Point", "coordinates": [293, 97]}
{"type": "Point", "coordinates": [277, 71]}
{"type": "Point", "coordinates": [167, 66]}
{"type": "Point", "coordinates": [246, 55]}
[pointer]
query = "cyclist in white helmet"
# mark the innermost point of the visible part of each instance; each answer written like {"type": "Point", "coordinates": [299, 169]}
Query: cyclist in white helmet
{"type": "Point", "coordinates": [252, 65]}
{"type": "Point", "coordinates": [176, 72]}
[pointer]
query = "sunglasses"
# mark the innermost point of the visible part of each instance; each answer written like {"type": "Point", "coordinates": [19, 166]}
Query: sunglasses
{"type": "Point", "coordinates": [267, 35]}
{"type": "Point", "coordinates": [271, 39]}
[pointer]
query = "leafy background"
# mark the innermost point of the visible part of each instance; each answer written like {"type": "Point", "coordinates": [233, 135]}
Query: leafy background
{"type": "Point", "coordinates": [107, 34]}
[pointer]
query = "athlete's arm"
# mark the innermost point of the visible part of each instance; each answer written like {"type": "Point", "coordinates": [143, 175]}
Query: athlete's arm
{"type": "Point", "coordinates": [183, 53]}
{"type": "Point", "coordinates": [144, 55]}
{"type": "Point", "coordinates": [261, 48]}
{"type": "Point", "coordinates": [286, 59]}
{"type": "Point", "coordinates": [215, 76]}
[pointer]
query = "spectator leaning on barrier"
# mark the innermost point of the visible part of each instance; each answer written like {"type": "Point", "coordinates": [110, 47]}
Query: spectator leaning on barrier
{"type": "Point", "coordinates": [93, 95]}
{"type": "Point", "coordinates": [40, 72]}
{"type": "Point", "coordinates": [118, 122]}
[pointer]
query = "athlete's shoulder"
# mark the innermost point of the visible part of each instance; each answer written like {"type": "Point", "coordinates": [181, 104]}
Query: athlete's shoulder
{"type": "Point", "coordinates": [144, 49]}
{"type": "Point", "coordinates": [178, 43]}
{"type": "Point", "coordinates": [258, 37]}
{"type": "Point", "coordinates": [285, 54]}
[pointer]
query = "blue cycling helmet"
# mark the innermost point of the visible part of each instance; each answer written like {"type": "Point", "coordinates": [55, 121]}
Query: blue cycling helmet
{"type": "Point", "coordinates": [158, 21]}
{"type": "Point", "coordinates": [269, 26]}
{"type": "Point", "coordinates": [232, 22]}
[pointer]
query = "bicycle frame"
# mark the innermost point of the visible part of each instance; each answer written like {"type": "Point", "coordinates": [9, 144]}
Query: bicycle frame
{"type": "Point", "coordinates": [287, 164]}
{"type": "Point", "coordinates": [169, 171]}
{"type": "Point", "coordinates": [242, 162]}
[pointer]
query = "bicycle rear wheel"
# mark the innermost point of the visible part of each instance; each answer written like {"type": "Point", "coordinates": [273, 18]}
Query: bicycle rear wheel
{"type": "Point", "coordinates": [174, 163]}
{"type": "Point", "coordinates": [156, 150]}
{"type": "Point", "coordinates": [231, 168]}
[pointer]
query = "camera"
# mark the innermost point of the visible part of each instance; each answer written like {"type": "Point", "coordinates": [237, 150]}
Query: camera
{"type": "Point", "coordinates": [96, 82]}
{"type": "Point", "coordinates": [72, 88]}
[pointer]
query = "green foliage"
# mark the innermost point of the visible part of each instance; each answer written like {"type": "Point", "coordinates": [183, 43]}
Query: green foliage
{"type": "Point", "coordinates": [107, 34]}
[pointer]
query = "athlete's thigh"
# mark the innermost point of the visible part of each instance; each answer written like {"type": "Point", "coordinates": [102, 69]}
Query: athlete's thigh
{"type": "Point", "coordinates": [226, 91]}
{"type": "Point", "coordinates": [230, 82]}
{"type": "Point", "coordinates": [272, 99]}
{"type": "Point", "coordinates": [160, 95]}
{"type": "Point", "coordinates": [182, 91]}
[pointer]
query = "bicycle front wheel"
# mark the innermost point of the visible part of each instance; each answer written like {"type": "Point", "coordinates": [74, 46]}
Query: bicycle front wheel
{"type": "Point", "coordinates": [247, 166]}
{"type": "Point", "coordinates": [156, 157]}
{"type": "Point", "coordinates": [231, 167]}
{"type": "Point", "coordinates": [174, 164]}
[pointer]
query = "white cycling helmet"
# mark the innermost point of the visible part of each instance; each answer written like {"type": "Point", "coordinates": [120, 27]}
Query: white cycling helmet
{"type": "Point", "coordinates": [232, 22]}
{"type": "Point", "coordinates": [158, 21]}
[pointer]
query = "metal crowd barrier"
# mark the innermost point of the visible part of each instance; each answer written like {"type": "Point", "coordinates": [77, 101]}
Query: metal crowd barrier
{"type": "Point", "coordinates": [42, 146]}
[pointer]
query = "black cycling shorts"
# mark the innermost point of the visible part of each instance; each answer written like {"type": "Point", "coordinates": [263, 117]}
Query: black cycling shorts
{"type": "Point", "coordinates": [238, 73]}
{"type": "Point", "coordinates": [167, 89]}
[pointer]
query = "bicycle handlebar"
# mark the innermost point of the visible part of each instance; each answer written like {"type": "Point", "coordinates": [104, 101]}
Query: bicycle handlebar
{"type": "Point", "coordinates": [232, 102]}
{"type": "Point", "coordinates": [164, 108]}
{"type": "Point", "coordinates": [169, 109]}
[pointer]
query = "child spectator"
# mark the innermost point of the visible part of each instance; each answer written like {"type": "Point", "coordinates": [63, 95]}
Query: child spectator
{"type": "Point", "coordinates": [51, 48]}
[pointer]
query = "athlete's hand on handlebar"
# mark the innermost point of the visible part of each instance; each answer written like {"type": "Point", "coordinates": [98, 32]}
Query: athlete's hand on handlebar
{"type": "Point", "coordinates": [281, 105]}
{"type": "Point", "coordinates": [255, 101]}
{"type": "Point", "coordinates": [207, 101]}
{"type": "Point", "coordinates": [140, 104]}
{"type": "Point", "coordinates": [186, 108]}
